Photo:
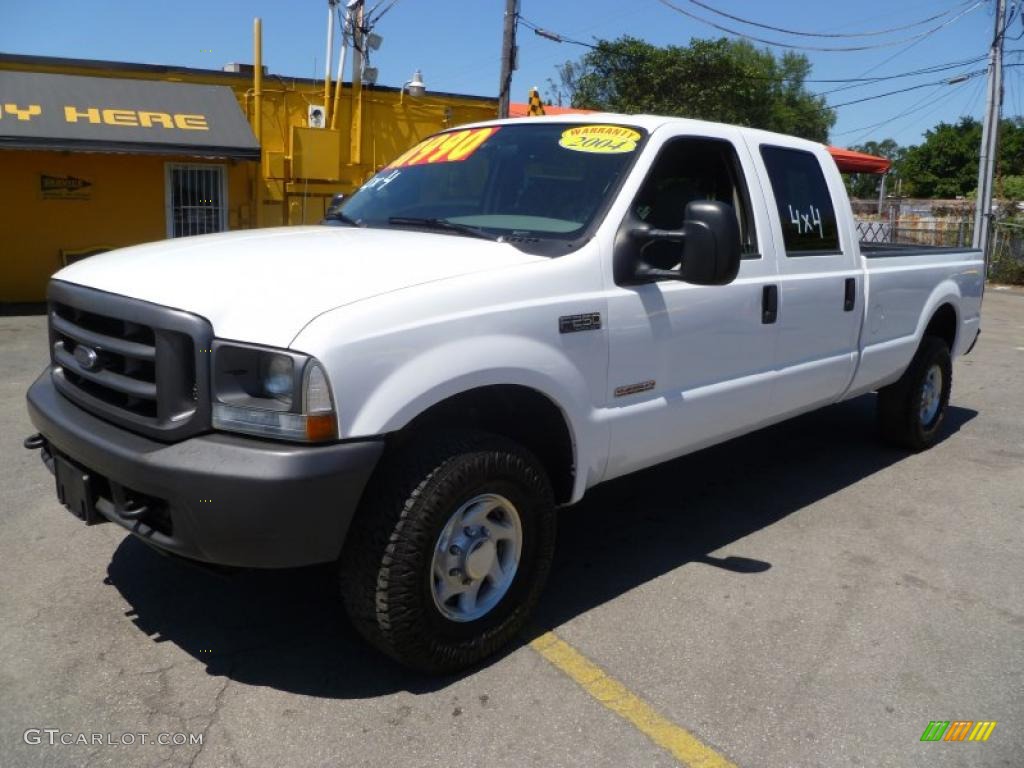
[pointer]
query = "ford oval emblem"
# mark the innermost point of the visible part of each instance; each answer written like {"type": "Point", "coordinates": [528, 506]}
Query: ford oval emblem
{"type": "Point", "coordinates": [86, 357]}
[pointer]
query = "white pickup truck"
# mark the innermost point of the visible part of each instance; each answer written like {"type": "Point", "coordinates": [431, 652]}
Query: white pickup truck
{"type": "Point", "coordinates": [507, 315]}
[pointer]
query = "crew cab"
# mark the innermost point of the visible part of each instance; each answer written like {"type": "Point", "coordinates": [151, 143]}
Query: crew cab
{"type": "Point", "coordinates": [507, 315]}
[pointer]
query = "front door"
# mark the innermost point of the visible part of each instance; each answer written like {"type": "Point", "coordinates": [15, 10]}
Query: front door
{"type": "Point", "coordinates": [690, 364]}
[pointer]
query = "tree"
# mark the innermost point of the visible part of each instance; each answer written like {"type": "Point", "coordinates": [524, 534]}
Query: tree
{"type": "Point", "coordinates": [946, 163]}
{"type": "Point", "coordinates": [865, 185]}
{"type": "Point", "coordinates": [729, 81]}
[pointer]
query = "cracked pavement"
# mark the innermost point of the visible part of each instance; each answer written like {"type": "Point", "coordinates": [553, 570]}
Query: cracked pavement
{"type": "Point", "coordinates": [800, 596]}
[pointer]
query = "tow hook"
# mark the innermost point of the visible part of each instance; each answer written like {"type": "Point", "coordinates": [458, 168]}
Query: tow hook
{"type": "Point", "coordinates": [34, 442]}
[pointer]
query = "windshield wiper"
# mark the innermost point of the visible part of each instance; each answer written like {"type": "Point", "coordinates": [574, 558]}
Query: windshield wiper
{"type": "Point", "coordinates": [343, 217]}
{"type": "Point", "coordinates": [444, 225]}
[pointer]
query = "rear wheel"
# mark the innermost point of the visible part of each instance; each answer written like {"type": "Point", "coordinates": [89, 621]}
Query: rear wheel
{"type": "Point", "coordinates": [911, 411]}
{"type": "Point", "coordinates": [450, 550]}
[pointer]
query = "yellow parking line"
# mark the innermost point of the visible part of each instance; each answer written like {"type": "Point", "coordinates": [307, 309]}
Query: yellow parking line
{"type": "Point", "coordinates": [684, 746]}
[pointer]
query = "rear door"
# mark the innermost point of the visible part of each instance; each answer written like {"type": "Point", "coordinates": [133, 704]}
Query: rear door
{"type": "Point", "coordinates": [820, 282]}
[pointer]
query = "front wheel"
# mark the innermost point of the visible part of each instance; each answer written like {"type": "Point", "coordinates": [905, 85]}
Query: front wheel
{"type": "Point", "coordinates": [911, 411]}
{"type": "Point", "coordinates": [450, 550]}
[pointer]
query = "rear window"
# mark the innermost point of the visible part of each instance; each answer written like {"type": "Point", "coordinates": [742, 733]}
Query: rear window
{"type": "Point", "coordinates": [803, 201]}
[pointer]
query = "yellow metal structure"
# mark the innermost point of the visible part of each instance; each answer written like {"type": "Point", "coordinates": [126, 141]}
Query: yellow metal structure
{"type": "Point", "coordinates": [125, 201]}
{"type": "Point", "coordinates": [315, 153]}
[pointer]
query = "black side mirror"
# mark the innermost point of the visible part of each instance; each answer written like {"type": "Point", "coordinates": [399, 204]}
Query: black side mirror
{"type": "Point", "coordinates": [335, 203]}
{"type": "Point", "coordinates": [709, 247]}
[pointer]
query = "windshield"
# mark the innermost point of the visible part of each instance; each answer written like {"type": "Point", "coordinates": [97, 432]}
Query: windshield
{"type": "Point", "coordinates": [529, 183]}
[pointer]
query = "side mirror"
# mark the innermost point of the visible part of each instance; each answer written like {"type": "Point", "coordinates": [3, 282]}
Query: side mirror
{"type": "Point", "coordinates": [335, 204]}
{"type": "Point", "coordinates": [708, 243]}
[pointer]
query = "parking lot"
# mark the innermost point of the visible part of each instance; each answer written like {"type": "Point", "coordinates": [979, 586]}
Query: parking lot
{"type": "Point", "coordinates": [802, 596]}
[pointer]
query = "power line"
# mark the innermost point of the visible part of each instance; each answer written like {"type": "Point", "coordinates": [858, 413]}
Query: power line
{"type": "Point", "coordinates": [372, 15]}
{"type": "Point", "coordinates": [860, 82]}
{"type": "Point", "coordinates": [966, 75]}
{"type": "Point", "coordinates": [939, 103]}
{"type": "Point", "coordinates": [832, 49]}
{"type": "Point", "coordinates": [895, 117]}
{"type": "Point", "coordinates": [856, 81]}
{"type": "Point", "coordinates": [936, 85]}
{"type": "Point", "coordinates": [786, 31]}
{"type": "Point", "coordinates": [553, 36]}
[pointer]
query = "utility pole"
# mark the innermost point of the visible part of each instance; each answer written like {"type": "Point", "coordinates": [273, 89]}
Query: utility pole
{"type": "Point", "coordinates": [509, 55]}
{"type": "Point", "coordinates": [329, 58]}
{"type": "Point", "coordinates": [990, 134]}
{"type": "Point", "coordinates": [356, 9]}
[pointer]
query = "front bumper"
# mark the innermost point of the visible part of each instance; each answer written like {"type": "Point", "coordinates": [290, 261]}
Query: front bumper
{"type": "Point", "coordinates": [216, 498]}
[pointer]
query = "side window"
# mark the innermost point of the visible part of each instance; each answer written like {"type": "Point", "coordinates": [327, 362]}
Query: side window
{"type": "Point", "coordinates": [803, 201]}
{"type": "Point", "coordinates": [689, 169]}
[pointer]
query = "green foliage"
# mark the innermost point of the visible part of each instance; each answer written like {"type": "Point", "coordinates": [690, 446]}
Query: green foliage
{"type": "Point", "coordinates": [1010, 188]}
{"type": "Point", "coordinates": [723, 80]}
{"type": "Point", "coordinates": [865, 185]}
{"type": "Point", "coordinates": [946, 163]}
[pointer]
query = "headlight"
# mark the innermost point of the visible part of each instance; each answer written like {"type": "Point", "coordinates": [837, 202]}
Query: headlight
{"type": "Point", "coordinates": [271, 393]}
{"type": "Point", "coordinates": [277, 376]}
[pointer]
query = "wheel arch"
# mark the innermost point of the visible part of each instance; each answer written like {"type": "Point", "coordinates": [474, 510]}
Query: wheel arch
{"type": "Point", "coordinates": [941, 315]}
{"type": "Point", "coordinates": [944, 324]}
{"type": "Point", "coordinates": [521, 413]}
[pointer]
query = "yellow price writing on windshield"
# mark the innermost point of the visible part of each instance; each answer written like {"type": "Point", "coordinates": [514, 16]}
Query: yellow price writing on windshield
{"type": "Point", "coordinates": [602, 139]}
{"type": "Point", "coordinates": [451, 147]}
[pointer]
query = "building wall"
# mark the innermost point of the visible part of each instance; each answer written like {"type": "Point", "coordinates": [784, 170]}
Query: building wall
{"type": "Point", "coordinates": [391, 124]}
{"type": "Point", "coordinates": [124, 205]}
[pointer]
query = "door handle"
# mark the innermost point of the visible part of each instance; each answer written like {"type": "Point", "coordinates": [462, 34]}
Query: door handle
{"type": "Point", "coordinates": [850, 298]}
{"type": "Point", "coordinates": [769, 304]}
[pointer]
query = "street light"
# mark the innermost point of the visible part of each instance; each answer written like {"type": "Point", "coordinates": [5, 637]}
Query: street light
{"type": "Point", "coordinates": [416, 86]}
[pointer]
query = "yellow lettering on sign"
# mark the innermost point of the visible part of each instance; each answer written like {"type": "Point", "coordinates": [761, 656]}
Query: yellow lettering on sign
{"type": "Point", "coordinates": [191, 122]}
{"type": "Point", "coordinates": [445, 147]}
{"type": "Point", "coordinates": [146, 119]}
{"type": "Point", "coordinates": [23, 114]}
{"type": "Point", "coordinates": [72, 115]}
{"type": "Point", "coordinates": [120, 117]}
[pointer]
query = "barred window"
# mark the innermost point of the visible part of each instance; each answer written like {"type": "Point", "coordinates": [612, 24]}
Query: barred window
{"type": "Point", "coordinates": [196, 199]}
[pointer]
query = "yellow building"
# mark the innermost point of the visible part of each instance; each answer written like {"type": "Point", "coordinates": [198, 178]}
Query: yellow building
{"type": "Point", "coordinates": [97, 155]}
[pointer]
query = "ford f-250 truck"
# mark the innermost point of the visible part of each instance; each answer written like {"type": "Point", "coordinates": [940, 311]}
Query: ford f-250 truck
{"type": "Point", "coordinates": [505, 316]}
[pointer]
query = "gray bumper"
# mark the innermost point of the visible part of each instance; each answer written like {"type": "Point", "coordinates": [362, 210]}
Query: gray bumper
{"type": "Point", "coordinates": [216, 498]}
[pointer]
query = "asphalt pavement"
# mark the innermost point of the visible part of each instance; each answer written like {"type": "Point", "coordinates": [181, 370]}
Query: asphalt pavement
{"type": "Point", "coordinates": [801, 596]}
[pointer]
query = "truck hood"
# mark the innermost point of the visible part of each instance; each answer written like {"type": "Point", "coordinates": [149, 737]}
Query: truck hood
{"type": "Point", "coordinates": [263, 286]}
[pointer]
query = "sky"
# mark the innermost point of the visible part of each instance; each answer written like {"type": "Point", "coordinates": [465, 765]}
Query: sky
{"type": "Point", "coordinates": [457, 44]}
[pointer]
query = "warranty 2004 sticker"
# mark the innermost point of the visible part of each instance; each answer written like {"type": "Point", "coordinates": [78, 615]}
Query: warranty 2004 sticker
{"type": "Point", "coordinates": [603, 139]}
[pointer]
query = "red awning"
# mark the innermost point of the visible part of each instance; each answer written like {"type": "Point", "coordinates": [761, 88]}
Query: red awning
{"type": "Point", "coordinates": [858, 162]}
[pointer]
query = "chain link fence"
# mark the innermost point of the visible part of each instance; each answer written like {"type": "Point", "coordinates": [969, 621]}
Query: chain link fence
{"type": "Point", "coordinates": [1006, 263]}
{"type": "Point", "coordinates": [1006, 255]}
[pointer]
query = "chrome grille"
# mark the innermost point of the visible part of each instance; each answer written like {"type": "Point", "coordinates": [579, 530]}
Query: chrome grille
{"type": "Point", "coordinates": [131, 362]}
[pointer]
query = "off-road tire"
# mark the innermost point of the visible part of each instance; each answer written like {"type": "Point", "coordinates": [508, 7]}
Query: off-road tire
{"type": "Point", "coordinates": [386, 563]}
{"type": "Point", "coordinates": [899, 404]}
